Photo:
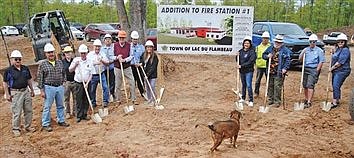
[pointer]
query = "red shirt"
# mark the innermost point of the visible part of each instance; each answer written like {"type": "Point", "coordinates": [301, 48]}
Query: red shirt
{"type": "Point", "coordinates": [124, 51]}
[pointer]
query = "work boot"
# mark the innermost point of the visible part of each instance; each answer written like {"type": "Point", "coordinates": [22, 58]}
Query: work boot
{"type": "Point", "coordinates": [48, 128]}
{"type": "Point", "coordinates": [16, 132]}
{"type": "Point", "coordinates": [30, 129]}
{"type": "Point", "coordinates": [63, 124]}
{"type": "Point", "coordinates": [250, 104]}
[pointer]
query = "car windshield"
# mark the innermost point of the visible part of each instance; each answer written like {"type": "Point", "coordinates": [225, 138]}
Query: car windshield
{"type": "Point", "coordinates": [287, 29]}
{"type": "Point", "coordinates": [73, 29]}
{"type": "Point", "coordinates": [105, 27]}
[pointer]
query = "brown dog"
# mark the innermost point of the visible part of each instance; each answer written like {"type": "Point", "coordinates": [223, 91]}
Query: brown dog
{"type": "Point", "coordinates": [221, 130]}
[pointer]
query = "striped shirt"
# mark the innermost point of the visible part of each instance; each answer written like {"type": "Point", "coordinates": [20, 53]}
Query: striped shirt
{"type": "Point", "coordinates": [50, 75]}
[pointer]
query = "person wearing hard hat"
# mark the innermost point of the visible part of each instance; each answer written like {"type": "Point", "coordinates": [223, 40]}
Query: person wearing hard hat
{"type": "Point", "coordinates": [51, 77]}
{"type": "Point", "coordinates": [261, 64]}
{"type": "Point", "coordinates": [138, 50]}
{"type": "Point", "coordinates": [280, 63]}
{"type": "Point", "coordinates": [149, 62]}
{"type": "Point", "coordinates": [16, 80]}
{"type": "Point", "coordinates": [83, 69]}
{"type": "Point", "coordinates": [107, 49]}
{"type": "Point", "coordinates": [123, 55]}
{"type": "Point", "coordinates": [69, 86]}
{"type": "Point", "coordinates": [100, 61]}
{"type": "Point", "coordinates": [340, 67]}
{"type": "Point", "coordinates": [246, 63]}
{"type": "Point", "coordinates": [314, 59]}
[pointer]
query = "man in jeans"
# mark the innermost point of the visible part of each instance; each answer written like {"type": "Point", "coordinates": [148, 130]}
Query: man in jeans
{"type": "Point", "coordinates": [51, 76]}
{"type": "Point", "coordinates": [69, 87]}
{"type": "Point", "coordinates": [261, 64]}
{"type": "Point", "coordinates": [16, 79]}
{"type": "Point", "coordinates": [123, 54]}
{"type": "Point", "coordinates": [107, 49]}
{"type": "Point", "coordinates": [280, 63]}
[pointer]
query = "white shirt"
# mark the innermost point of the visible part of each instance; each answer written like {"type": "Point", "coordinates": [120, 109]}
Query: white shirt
{"type": "Point", "coordinates": [95, 58]}
{"type": "Point", "coordinates": [83, 70]}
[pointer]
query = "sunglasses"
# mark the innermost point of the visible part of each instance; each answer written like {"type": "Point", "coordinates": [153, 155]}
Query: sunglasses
{"type": "Point", "coordinates": [50, 52]}
{"type": "Point", "coordinates": [340, 42]}
{"type": "Point", "coordinates": [312, 41]}
{"type": "Point", "coordinates": [18, 59]}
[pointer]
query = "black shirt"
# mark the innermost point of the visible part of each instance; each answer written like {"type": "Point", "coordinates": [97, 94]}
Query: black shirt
{"type": "Point", "coordinates": [17, 79]}
{"type": "Point", "coordinates": [69, 75]}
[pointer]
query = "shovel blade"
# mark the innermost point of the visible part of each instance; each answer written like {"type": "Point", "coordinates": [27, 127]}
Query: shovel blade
{"type": "Point", "coordinates": [101, 113]}
{"type": "Point", "coordinates": [126, 109]}
{"type": "Point", "coordinates": [263, 109]}
{"type": "Point", "coordinates": [131, 108]}
{"type": "Point", "coordinates": [326, 106]}
{"type": "Point", "coordinates": [239, 105]}
{"type": "Point", "coordinates": [96, 118]}
{"type": "Point", "coordinates": [105, 111]}
{"type": "Point", "coordinates": [159, 107]}
{"type": "Point", "coordinates": [299, 106]}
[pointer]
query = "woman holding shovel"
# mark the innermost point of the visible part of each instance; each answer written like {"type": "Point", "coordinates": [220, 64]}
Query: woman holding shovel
{"type": "Point", "coordinates": [247, 58]}
{"type": "Point", "coordinates": [340, 67]}
{"type": "Point", "coordinates": [149, 62]}
{"type": "Point", "coordinates": [84, 69]}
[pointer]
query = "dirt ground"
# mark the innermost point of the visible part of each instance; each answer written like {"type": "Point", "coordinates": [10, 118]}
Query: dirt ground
{"type": "Point", "coordinates": [197, 90]}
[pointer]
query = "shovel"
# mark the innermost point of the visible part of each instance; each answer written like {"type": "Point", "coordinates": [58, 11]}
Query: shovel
{"type": "Point", "coordinates": [265, 108]}
{"type": "Point", "coordinates": [94, 116]}
{"type": "Point", "coordinates": [239, 103]}
{"type": "Point", "coordinates": [129, 108]}
{"type": "Point", "coordinates": [298, 105]}
{"type": "Point", "coordinates": [102, 112]}
{"type": "Point", "coordinates": [141, 82]}
{"type": "Point", "coordinates": [157, 106]}
{"type": "Point", "coordinates": [326, 106]}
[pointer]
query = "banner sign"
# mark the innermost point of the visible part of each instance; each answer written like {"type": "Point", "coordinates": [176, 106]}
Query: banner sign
{"type": "Point", "coordinates": [191, 29]}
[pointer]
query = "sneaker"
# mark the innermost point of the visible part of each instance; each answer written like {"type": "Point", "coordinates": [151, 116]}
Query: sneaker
{"type": "Point", "coordinates": [241, 101]}
{"type": "Point", "coordinates": [16, 132]}
{"type": "Point", "coordinates": [48, 128]}
{"type": "Point", "coordinates": [307, 105]}
{"type": "Point", "coordinates": [67, 116]}
{"type": "Point", "coordinates": [334, 105]}
{"type": "Point", "coordinates": [105, 105]}
{"type": "Point", "coordinates": [78, 120]}
{"type": "Point", "coordinates": [30, 129]}
{"type": "Point", "coordinates": [250, 104]}
{"type": "Point", "coordinates": [63, 124]}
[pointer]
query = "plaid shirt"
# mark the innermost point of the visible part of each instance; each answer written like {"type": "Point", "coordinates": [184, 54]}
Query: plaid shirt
{"type": "Point", "coordinates": [49, 74]}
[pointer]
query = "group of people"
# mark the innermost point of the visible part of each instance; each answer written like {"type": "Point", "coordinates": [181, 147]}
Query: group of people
{"type": "Point", "coordinates": [276, 57]}
{"type": "Point", "coordinates": [59, 79]}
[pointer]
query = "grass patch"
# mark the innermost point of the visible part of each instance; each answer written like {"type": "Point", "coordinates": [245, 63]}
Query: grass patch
{"type": "Point", "coordinates": [165, 39]}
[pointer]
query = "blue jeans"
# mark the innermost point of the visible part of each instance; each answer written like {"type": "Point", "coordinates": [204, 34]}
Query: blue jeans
{"type": "Point", "coordinates": [246, 80]}
{"type": "Point", "coordinates": [52, 93]}
{"type": "Point", "coordinates": [260, 72]}
{"type": "Point", "coordinates": [148, 90]}
{"type": "Point", "coordinates": [93, 86]}
{"type": "Point", "coordinates": [338, 79]}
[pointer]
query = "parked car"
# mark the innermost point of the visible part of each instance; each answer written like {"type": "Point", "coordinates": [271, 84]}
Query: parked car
{"type": "Point", "coordinates": [115, 25]}
{"type": "Point", "coordinates": [151, 34]}
{"type": "Point", "coordinates": [77, 25]}
{"type": "Point", "coordinates": [9, 30]}
{"type": "Point", "coordinates": [20, 27]}
{"type": "Point", "coordinates": [294, 37]}
{"type": "Point", "coordinates": [331, 38]}
{"type": "Point", "coordinates": [97, 31]}
{"type": "Point", "coordinates": [77, 33]}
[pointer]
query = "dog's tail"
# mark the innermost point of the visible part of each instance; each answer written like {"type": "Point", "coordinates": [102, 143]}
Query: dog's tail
{"type": "Point", "coordinates": [197, 125]}
{"type": "Point", "coordinates": [210, 126]}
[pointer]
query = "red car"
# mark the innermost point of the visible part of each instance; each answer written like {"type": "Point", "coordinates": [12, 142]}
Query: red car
{"type": "Point", "coordinates": [97, 31]}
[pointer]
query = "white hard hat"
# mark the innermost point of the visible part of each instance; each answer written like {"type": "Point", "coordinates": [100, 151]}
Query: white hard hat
{"type": "Point", "coordinates": [248, 38]}
{"type": "Point", "coordinates": [279, 38]}
{"type": "Point", "coordinates": [313, 37]}
{"type": "Point", "coordinates": [342, 36]}
{"type": "Point", "coordinates": [49, 48]}
{"type": "Point", "coordinates": [97, 42]}
{"type": "Point", "coordinates": [134, 35]}
{"type": "Point", "coordinates": [265, 34]}
{"type": "Point", "coordinates": [83, 48]}
{"type": "Point", "coordinates": [107, 36]}
{"type": "Point", "coordinates": [149, 43]}
{"type": "Point", "coordinates": [16, 54]}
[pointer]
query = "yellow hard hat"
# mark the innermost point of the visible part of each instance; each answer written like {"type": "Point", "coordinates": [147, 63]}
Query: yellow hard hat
{"type": "Point", "coordinates": [67, 49]}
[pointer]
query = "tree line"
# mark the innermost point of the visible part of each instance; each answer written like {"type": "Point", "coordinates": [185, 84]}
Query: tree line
{"type": "Point", "coordinates": [313, 14]}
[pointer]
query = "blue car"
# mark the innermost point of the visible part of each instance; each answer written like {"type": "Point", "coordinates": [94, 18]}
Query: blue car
{"type": "Point", "coordinates": [295, 37]}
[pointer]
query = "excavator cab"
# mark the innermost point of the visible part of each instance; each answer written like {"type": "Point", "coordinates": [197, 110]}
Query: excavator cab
{"type": "Point", "coordinates": [50, 27]}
